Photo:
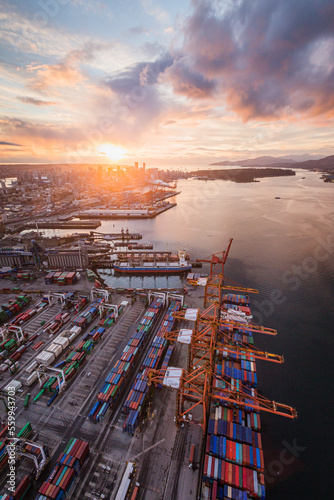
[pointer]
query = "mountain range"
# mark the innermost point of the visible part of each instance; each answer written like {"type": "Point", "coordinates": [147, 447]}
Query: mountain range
{"type": "Point", "coordinates": [308, 162]}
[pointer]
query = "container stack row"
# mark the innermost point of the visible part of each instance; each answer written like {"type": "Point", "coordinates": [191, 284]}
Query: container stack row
{"type": "Point", "coordinates": [139, 393]}
{"type": "Point", "coordinates": [21, 490]}
{"type": "Point", "coordinates": [235, 298]}
{"type": "Point", "coordinates": [243, 370]}
{"type": "Point", "coordinates": [233, 463]}
{"type": "Point", "coordinates": [88, 314]}
{"type": "Point", "coordinates": [25, 275]}
{"type": "Point", "coordinates": [61, 278]}
{"type": "Point", "coordinates": [238, 336]}
{"type": "Point", "coordinates": [6, 273]}
{"type": "Point", "coordinates": [12, 307]}
{"type": "Point", "coordinates": [235, 307]}
{"type": "Point", "coordinates": [10, 353]}
{"type": "Point", "coordinates": [64, 476]}
{"type": "Point", "coordinates": [114, 381]}
{"type": "Point", "coordinates": [73, 361]}
{"type": "Point", "coordinates": [109, 318]}
{"type": "Point", "coordinates": [233, 455]}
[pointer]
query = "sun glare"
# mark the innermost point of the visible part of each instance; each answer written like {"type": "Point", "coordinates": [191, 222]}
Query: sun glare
{"type": "Point", "coordinates": [113, 152]}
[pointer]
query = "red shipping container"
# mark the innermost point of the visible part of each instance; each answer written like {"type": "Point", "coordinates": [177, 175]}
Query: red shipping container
{"type": "Point", "coordinates": [212, 474]}
{"type": "Point", "coordinates": [22, 486]}
{"type": "Point", "coordinates": [250, 485]}
{"type": "Point", "coordinates": [42, 488]}
{"type": "Point", "coordinates": [49, 490]}
{"type": "Point", "coordinates": [244, 447]}
{"type": "Point", "coordinates": [233, 475]}
{"type": "Point", "coordinates": [214, 491]}
{"type": "Point", "coordinates": [3, 431]}
{"type": "Point", "coordinates": [244, 478]}
{"type": "Point", "coordinates": [57, 476]}
{"type": "Point", "coordinates": [238, 483]}
{"type": "Point", "coordinates": [230, 473]}
{"type": "Point", "coordinates": [222, 471]}
{"type": "Point", "coordinates": [76, 445]}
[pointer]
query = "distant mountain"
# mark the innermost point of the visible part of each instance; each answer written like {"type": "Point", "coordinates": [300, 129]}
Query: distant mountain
{"type": "Point", "coordinates": [323, 164]}
{"type": "Point", "coordinates": [261, 161]}
{"type": "Point", "coordinates": [304, 157]}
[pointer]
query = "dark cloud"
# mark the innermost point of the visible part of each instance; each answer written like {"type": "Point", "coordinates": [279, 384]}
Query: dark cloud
{"type": "Point", "coordinates": [36, 102]}
{"type": "Point", "coordinates": [4, 143]}
{"type": "Point", "coordinates": [186, 81]}
{"type": "Point", "coordinates": [144, 75]}
{"type": "Point", "coordinates": [266, 57]}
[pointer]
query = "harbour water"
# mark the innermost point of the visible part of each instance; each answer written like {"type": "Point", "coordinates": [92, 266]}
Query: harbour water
{"type": "Point", "coordinates": [283, 247]}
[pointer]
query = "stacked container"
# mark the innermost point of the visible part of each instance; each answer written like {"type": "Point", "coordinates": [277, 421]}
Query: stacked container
{"type": "Point", "coordinates": [234, 465]}
{"type": "Point", "coordinates": [114, 381]}
{"type": "Point", "coordinates": [139, 393]}
{"type": "Point", "coordinates": [63, 478]}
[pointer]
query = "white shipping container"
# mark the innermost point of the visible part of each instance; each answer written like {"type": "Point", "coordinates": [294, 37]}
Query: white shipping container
{"type": "Point", "coordinates": [31, 379]}
{"type": "Point", "coordinates": [31, 367]}
{"type": "Point", "coordinates": [63, 341]}
{"type": "Point", "coordinates": [65, 317]}
{"type": "Point", "coordinates": [72, 337]}
{"type": "Point", "coordinates": [14, 383]}
{"type": "Point", "coordinates": [3, 367]}
{"type": "Point", "coordinates": [45, 357]}
{"type": "Point", "coordinates": [56, 349]}
{"type": "Point", "coordinates": [76, 330]}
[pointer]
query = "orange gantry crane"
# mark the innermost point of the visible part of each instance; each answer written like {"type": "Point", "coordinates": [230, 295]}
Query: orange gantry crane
{"type": "Point", "coordinates": [210, 336]}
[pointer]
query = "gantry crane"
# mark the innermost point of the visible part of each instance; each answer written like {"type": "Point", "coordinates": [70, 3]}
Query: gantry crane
{"type": "Point", "coordinates": [21, 450]}
{"type": "Point", "coordinates": [213, 287]}
{"type": "Point", "coordinates": [8, 330]}
{"type": "Point", "coordinates": [196, 385]}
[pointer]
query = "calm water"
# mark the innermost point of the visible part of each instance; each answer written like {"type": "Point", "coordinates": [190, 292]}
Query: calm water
{"type": "Point", "coordinates": [283, 245]}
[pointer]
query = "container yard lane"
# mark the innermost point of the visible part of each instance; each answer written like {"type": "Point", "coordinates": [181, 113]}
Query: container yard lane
{"type": "Point", "coordinates": [67, 418]}
{"type": "Point", "coordinates": [112, 445]}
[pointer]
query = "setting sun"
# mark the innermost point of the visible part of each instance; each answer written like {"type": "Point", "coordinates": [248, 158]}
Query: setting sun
{"type": "Point", "coordinates": [113, 152]}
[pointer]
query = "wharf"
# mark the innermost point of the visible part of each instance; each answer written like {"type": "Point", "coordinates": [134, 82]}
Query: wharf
{"type": "Point", "coordinates": [168, 195]}
{"type": "Point", "coordinates": [114, 216]}
{"type": "Point", "coordinates": [124, 236]}
{"type": "Point", "coordinates": [88, 224]}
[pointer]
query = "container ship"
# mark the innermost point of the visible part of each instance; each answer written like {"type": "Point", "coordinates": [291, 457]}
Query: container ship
{"type": "Point", "coordinates": [157, 267]}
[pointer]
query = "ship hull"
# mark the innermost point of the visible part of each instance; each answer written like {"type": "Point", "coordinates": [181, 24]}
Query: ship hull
{"type": "Point", "coordinates": [152, 270]}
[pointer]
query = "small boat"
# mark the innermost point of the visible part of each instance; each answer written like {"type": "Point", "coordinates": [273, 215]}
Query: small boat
{"type": "Point", "coordinates": [277, 197]}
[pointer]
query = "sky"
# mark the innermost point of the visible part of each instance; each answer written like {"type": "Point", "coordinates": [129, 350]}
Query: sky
{"type": "Point", "coordinates": [165, 81]}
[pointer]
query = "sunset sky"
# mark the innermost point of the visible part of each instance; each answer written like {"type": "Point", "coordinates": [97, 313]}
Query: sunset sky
{"type": "Point", "coordinates": [165, 81]}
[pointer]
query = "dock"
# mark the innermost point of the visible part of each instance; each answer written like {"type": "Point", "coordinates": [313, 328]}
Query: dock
{"type": "Point", "coordinates": [88, 224]}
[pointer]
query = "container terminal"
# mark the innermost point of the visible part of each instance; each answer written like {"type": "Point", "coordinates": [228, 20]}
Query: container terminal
{"type": "Point", "coordinates": [131, 394]}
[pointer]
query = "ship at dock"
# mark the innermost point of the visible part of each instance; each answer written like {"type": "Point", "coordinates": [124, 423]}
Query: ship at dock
{"type": "Point", "coordinates": [168, 266]}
